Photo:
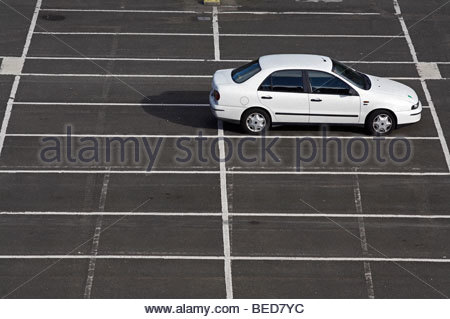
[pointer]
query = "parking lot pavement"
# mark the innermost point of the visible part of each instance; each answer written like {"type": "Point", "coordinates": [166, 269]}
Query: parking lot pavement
{"type": "Point", "coordinates": [14, 25]}
{"type": "Point", "coordinates": [194, 226]}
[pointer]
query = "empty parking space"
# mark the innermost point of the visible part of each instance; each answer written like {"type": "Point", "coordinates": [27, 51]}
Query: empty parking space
{"type": "Point", "coordinates": [42, 235]}
{"type": "Point", "coordinates": [289, 279]}
{"type": "Point", "coordinates": [430, 35]}
{"type": "Point", "coordinates": [113, 119]}
{"type": "Point", "coordinates": [282, 194]}
{"type": "Point", "coordinates": [405, 195]}
{"type": "Point", "coordinates": [163, 235]}
{"type": "Point", "coordinates": [386, 69]}
{"type": "Point", "coordinates": [175, 5]}
{"type": "Point", "coordinates": [116, 66]}
{"type": "Point", "coordinates": [339, 48]}
{"type": "Point", "coordinates": [408, 238]}
{"type": "Point", "coordinates": [159, 279]}
{"type": "Point", "coordinates": [272, 236]}
{"type": "Point", "coordinates": [52, 192]}
{"type": "Point", "coordinates": [306, 154]}
{"type": "Point", "coordinates": [65, 280]}
{"type": "Point", "coordinates": [118, 22]}
{"type": "Point", "coordinates": [350, 6]}
{"type": "Point", "coordinates": [134, 46]}
{"type": "Point", "coordinates": [309, 25]}
{"type": "Point", "coordinates": [14, 21]}
{"type": "Point", "coordinates": [164, 193]}
{"type": "Point", "coordinates": [114, 90]}
{"type": "Point", "coordinates": [116, 153]}
{"type": "Point", "coordinates": [411, 280]}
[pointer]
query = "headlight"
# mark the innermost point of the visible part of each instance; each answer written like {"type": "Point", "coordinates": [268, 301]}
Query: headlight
{"type": "Point", "coordinates": [415, 106]}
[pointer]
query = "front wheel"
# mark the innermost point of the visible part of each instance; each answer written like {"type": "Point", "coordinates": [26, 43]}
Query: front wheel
{"type": "Point", "coordinates": [380, 123]}
{"type": "Point", "coordinates": [255, 121]}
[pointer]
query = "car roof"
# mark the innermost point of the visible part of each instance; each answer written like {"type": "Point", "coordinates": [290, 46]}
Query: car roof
{"type": "Point", "coordinates": [296, 61]}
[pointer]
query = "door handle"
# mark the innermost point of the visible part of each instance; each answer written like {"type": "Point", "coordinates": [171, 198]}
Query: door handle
{"type": "Point", "coordinates": [316, 100]}
{"type": "Point", "coordinates": [266, 97]}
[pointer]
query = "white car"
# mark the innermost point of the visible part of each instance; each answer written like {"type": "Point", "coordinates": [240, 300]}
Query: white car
{"type": "Point", "coordinates": [300, 88]}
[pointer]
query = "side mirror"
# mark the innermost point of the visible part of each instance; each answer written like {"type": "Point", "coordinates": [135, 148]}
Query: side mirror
{"type": "Point", "coordinates": [352, 92]}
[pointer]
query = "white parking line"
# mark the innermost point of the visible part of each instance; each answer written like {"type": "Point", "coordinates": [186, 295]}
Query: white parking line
{"type": "Point", "coordinates": [216, 34]}
{"type": "Point", "coordinates": [124, 11]}
{"type": "Point", "coordinates": [126, 33]}
{"type": "Point", "coordinates": [54, 213]}
{"type": "Point", "coordinates": [246, 258]}
{"type": "Point", "coordinates": [215, 25]}
{"type": "Point", "coordinates": [223, 12]}
{"type": "Point", "coordinates": [109, 75]}
{"type": "Point", "coordinates": [299, 13]}
{"type": "Point", "coordinates": [363, 238]}
{"type": "Point", "coordinates": [195, 60]}
{"type": "Point", "coordinates": [225, 218]}
{"type": "Point", "coordinates": [96, 239]}
{"type": "Point", "coordinates": [200, 214]}
{"type": "Point", "coordinates": [106, 104]}
{"type": "Point", "coordinates": [12, 94]}
{"type": "Point", "coordinates": [434, 114]}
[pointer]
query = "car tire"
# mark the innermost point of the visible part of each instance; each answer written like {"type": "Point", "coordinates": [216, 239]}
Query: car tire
{"type": "Point", "coordinates": [255, 121]}
{"type": "Point", "coordinates": [381, 123]}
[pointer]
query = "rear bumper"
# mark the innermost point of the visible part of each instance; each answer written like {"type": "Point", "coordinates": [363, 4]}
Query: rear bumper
{"type": "Point", "coordinates": [226, 113]}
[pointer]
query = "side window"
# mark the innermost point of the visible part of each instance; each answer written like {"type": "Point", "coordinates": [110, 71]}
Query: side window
{"type": "Point", "coordinates": [324, 83]}
{"type": "Point", "coordinates": [284, 81]}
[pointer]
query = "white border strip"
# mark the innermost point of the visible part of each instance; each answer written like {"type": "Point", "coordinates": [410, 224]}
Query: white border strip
{"type": "Point", "coordinates": [199, 214]}
{"type": "Point", "coordinates": [246, 258]}
{"type": "Point", "coordinates": [256, 137]}
{"type": "Point", "coordinates": [337, 173]}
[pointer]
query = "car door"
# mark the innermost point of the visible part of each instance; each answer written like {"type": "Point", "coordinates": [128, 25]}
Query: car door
{"type": "Point", "coordinates": [283, 92]}
{"type": "Point", "coordinates": [331, 100]}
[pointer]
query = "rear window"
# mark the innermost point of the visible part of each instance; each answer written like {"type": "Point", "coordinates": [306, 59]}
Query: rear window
{"type": "Point", "coordinates": [245, 72]}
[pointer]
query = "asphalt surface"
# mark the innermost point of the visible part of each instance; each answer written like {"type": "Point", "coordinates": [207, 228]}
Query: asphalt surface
{"type": "Point", "coordinates": [266, 223]}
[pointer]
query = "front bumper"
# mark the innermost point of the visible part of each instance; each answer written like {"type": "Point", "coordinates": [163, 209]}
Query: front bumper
{"type": "Point", "coordinates": [411, 116]}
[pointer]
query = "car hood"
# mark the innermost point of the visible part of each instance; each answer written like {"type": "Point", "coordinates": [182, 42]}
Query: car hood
{"type": "Point", "coordinates": [393, 88]}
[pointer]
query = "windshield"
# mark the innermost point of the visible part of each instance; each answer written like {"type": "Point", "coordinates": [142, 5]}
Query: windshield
{"type": "Point", "coordinates": [354, 77]}
{"type": "Point", "coordinates": [245, 72]}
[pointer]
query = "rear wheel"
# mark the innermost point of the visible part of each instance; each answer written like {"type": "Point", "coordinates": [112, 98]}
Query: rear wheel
{"type": "Point", "coordinates": [255, 121]}
{"type": "Point", "coordinates": [381, 123]}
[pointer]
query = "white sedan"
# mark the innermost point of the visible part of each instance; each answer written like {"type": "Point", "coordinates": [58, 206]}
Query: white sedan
{"type": "Point", "coordinates": [300, 88]}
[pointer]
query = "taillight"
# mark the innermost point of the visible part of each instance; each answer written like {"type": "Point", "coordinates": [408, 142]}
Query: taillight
{"type": "Point", "coordinates": [216, 95]}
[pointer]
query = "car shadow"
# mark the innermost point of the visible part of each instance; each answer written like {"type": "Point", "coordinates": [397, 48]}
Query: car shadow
{"type": "Point", "coordinates": [192, 110]}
